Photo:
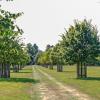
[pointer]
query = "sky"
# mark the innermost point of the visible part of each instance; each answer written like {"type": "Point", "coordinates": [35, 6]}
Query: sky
{"type": "Point", "coordinates": [44, 20]}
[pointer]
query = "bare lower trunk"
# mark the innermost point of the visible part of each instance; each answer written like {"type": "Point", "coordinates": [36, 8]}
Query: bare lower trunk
{"type": "Point", "coordinates": [8, 68]}
{"type": "Point", "coordinates": [5, 71]}
{"type": "Point", "coordinates": [20, 67]}
{"type": "Point", "coordinates": [59, 68]}
{"type": "Point", "coordinates": [16, 68]}
{"type": "Point", "coordinates": [51, 67]}
{"type": "Point", "coordinates": [0, 70]}
{"type": "Point", "coordinates": [81, 70]}
{"type": "Point", "coordinates": [78, 70]}
{"type": "Point", "coordinates": [46, 66]}
{"type": "Point", "coordinates": [85, 71]}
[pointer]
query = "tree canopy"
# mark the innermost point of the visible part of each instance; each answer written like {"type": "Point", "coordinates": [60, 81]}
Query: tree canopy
{"type": "Point", "coordinates": [78, 45]}
{"type": "Point", "coordinates": [32, 51]}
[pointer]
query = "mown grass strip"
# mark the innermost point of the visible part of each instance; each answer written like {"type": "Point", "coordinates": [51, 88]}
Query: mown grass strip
{"type": "Point", "coordinates": [89, 85]}
{"type": "Point", "coordinates": [19, 86]}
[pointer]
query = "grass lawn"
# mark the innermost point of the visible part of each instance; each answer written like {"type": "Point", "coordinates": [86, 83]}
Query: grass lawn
{"type": "Point", "coordinates": [90, 86]}
{"type": "Point", "coordinates": [18, 87]}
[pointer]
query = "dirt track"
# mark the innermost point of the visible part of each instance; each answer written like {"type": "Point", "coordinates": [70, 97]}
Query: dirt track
{"type": "Point", "coordinates": [51, 89]}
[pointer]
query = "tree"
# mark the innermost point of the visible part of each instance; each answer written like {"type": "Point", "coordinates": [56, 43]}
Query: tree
{"type": "Point", "coordinates": [21, 57]}
{"type": "Point", "coordinates": [81, 44]}
{"type": "Point", "coordinates": [32, 50]}
{"type": "Point", "coordinates": [9, 41]}
{"type": "Point", "coordinates": [37, 57]}
{"type": "Point", "coordinates": [57, 57]}
{"type": "Point", "coordinates": [43, 58]}
{"type": "Point", "coordinates": [48, 47]}
{"type": "Point", "coordinates": [12, 51]}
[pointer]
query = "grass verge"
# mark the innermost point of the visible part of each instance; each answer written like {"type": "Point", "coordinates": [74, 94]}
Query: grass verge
{"type": "Point", "coordinates": [18, 87]}
{"type": "Point", "coordinates": [90, 85]}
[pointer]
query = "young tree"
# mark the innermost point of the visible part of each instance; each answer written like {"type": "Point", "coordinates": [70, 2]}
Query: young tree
{"type": "Point", "coordinates": [43, 58]}
{"type": "Point", "coordinates": [81, 44]}
{"type": "Point", "coordinates": [57, 57]}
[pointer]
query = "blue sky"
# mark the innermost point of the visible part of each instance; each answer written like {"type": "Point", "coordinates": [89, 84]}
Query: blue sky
{"type": "Point", "coordinates": [44, 20]}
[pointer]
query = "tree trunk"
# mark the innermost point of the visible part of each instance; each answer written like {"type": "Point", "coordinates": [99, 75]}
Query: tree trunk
{"type": "Point", "coordinates": [85, 71]}
{"type": "Point", "coordinates": [81, 75]}
{"type": "Point", "coordinates": [51, 67]}
{"type": "Point", "coordinates": [20, 67]}
{"type": "Point", "coordinates": [59, 68]}
{"type": "Point", "coordinates": [0, 70]}
{"type": "Point", "coordinates": [5, 71]}
{"type": "Point", "coordinates": [81, 70]}
{"type": "Point", "coordinates": [78, 70]}
{"type": "Point", "coordinates": [8, 68]}
{"type": "Point", "coordinates": [46, 66]}
{"type": "Point", "coordinates": [15, 68]}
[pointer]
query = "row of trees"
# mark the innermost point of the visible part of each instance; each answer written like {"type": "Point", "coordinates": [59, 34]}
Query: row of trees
{"type": "Point", "coordinates": [13, 53]}
{"type": "Point", "coordinates": [12, 50]}
{"type": "Point", "coordinates": [79, 45]}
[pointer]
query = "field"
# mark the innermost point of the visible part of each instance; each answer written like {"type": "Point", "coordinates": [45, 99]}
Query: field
{"type": "Point", "coordinates": [90, 85]}
{"type": "Point", "coordinates": [18, 87]}
{"type": "Point", "coordinates": [39, 83]}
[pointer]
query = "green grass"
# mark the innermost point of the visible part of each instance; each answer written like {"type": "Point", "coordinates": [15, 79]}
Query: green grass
{"type": "Point", "coordinates": [90, 86]}
{"type": "Point", "coordinates": [18, 87]}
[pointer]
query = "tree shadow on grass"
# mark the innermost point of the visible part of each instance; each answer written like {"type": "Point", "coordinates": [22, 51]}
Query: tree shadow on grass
{"type": "Point", "coordinates": [21, 72]}
{"type": "Point", "coordinates": [26, 69]}
{"type": "Point", "coordinates": [23, 80]}
{"type": "Point", "coordinates": [90, 78]}
{"type": "Point", "coordinates": [68, 71]}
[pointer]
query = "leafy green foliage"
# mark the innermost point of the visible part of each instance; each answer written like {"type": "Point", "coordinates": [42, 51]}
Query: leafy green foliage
{"type": "Point", "coordinates": [12, 50]}
{"type": "Point", "coordinates": [79, 45]}
{"type": "Point", "coordinates": [81, 42]}
{"type": "Point", "coordinates": [32, 51]}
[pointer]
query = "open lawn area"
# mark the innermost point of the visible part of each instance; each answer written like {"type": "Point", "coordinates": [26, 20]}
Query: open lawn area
{"type": "Point", "coordinates": [18, 87]}
{"type": "Point", "coordinates": [31, 84]}
{"type": "Point", "coordinates": [90, 85]}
